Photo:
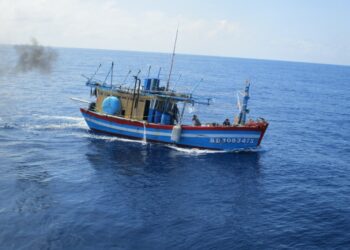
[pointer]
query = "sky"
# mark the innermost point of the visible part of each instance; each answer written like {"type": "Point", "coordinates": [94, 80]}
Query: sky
{"type": "Point", "coordinates": [290, 30]}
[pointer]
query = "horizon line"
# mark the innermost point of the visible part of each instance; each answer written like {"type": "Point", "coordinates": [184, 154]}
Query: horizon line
{"type": "Point", "coordinates": [187, 54]}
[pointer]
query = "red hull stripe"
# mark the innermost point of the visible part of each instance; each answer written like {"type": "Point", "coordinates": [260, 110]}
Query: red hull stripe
{"type": "Point", "coordinates": [262, 134]}
{"type": "Point", "coordinates": [261, 127]}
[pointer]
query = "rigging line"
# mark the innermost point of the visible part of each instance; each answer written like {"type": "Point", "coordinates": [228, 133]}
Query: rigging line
{"type": "Point", "coordinates": [177, 82]}
{"type": "Point", "coordinates": [107, 76]}
{"type": "Point", "coordinates": [196, 86]}
{"type": "Point", "coordinates": [98, 68]}
{"type": "Point", "coordinates": [126, 77]}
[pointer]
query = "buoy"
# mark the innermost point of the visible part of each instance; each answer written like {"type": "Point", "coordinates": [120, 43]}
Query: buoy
{"type": "Point", "coordinates": [176, 133]}
{"type": "Point", "coordinates": [111, 105]}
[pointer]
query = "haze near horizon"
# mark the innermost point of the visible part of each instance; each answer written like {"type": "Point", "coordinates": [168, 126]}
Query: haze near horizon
{"type": "Point", "coordinates": [304, 31]}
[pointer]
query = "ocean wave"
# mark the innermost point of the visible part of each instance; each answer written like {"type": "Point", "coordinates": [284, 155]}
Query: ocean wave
{"type": "Point", "coordinates": [8, 126]}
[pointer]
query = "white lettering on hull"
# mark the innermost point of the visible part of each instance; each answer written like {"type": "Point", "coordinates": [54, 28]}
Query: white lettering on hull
{"type": "Point", "coordinates": [232, 140]}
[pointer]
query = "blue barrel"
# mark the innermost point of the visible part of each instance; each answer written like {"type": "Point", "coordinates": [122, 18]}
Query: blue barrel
{"type": "Point", "coordinates": [157, 116]}
{"type": "Point", "coordinates": [155, 83]}
{"type": "Point", "coordinates": [166, 119]}
{"type": "Point", "coordinates": [111, 105]}
{"type": "Point", "coordinates": [147, 84]}
{"type": "Point", "coordinates": [150, 117]}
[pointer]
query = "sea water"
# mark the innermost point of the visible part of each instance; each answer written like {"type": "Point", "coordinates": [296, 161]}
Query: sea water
{"type": "Point", "coordinates": [64, 187]}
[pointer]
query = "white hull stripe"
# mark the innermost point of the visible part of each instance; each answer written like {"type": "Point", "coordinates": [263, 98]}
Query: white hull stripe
{"type": "Point", "coordinates": [186, 134]}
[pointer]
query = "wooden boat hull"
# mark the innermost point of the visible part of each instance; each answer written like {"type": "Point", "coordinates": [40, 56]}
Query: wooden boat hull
{"type": "Point", "coordinates": [228, 138]}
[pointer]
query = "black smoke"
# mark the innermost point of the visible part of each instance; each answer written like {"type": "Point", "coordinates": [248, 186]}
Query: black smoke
{"type": "Point", "coordinates": [35, 57]}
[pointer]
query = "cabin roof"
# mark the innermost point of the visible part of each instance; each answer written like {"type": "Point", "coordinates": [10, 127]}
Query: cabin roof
{"type": "Point", "coordinates": [170, 95]}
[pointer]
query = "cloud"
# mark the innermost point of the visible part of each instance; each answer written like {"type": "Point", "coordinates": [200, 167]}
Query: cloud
{"type": "Point", "coordinates": [103, 24]}
{"type": "Point", "coordinates": [124, 25]}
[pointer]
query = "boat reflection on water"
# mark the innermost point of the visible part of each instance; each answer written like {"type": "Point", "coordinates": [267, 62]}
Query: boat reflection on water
{"type": "Point", "coordinates": [114, 153]}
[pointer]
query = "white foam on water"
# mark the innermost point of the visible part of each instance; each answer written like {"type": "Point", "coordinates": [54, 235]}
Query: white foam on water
{"type": "Point", "coordinates": [95, 136]}
{"type": "Point", "coordinates": [108, 138]}
{"type": "Point", "coordinates": [80, 124]}
{"type": "Point", "coordinates": [59, 117]}
{"type": "Point", "coordinates": [198, 151]}
{"type": "Point", "coordinates": [56, 122]}
{"type": "Point", "coordinates": [144, 139]}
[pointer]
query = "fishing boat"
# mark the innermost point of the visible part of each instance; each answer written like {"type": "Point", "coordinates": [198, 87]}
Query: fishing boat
{"type": "Point", "coordinates": [151, 112]}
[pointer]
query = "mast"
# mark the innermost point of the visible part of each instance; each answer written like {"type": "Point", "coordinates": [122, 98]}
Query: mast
{"type": "Point", "coordinates": [133, 97]}
{"type": "Point", "coordinates": [172, 60]}
{"type": "Point", "coordinates": [244, 110]}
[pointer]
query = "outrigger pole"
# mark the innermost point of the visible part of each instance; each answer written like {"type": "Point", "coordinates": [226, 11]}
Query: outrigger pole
{"type": "Point", "coordinates": [196, 86]}
{"type": "Point", "coordinates": [172, 60]}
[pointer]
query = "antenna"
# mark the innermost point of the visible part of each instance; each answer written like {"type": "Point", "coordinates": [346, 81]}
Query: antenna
{"type": "Point", "coordinates": [112, 74]}
{"type": "Point", "coordinates": [172, 60]}
{"type": "Point", "coordinates": [149, 70]}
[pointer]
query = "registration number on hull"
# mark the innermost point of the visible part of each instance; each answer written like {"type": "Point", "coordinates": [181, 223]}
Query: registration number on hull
{"type": "Point", "coordinates": [231, 140]}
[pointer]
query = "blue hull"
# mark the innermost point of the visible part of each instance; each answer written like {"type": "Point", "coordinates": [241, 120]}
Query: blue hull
{"type": "Point", "coordinates": [215, 138]}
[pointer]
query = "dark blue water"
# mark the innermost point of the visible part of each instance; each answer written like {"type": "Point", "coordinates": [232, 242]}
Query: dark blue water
{"type": "Point", "coordinates": [62, 187]}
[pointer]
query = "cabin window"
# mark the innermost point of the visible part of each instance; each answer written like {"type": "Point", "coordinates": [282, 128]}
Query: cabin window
{"type": "Point", "coordinates": [146, 110]}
